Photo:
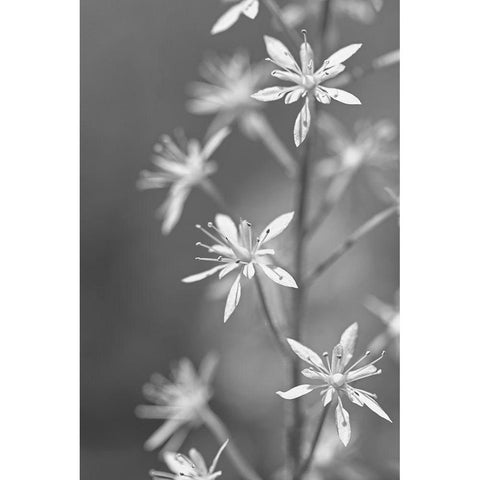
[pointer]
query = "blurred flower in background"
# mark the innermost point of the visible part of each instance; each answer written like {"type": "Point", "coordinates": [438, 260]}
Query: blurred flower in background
{"type": "Point", "coordinates": [389, 338]}
{"type": "Point", "coordinates": [336, 380]}
{"type": "Point", "coordinates": [249, 8]}
{"type": "Point", "coordinates": [179, 402]}
{"type": "Point", "coordinates": [371, 148]}
{"type": "Point", "coordinates": [181, 169]}
{"type": "Point", "coordinates": [193, 466]}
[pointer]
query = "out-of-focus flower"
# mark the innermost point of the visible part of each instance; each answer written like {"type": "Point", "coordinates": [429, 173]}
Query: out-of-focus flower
{"type": "Point", "coordinates": [336, 379]}
{"type": "Point", "coordinates": [364, 11]}
{"type": "Point", "coordinates": [371, 148]}
{"type": "Point", "coordinates": [226, 92]}
{"type": "Point", "coordinates": [307, 81]}
{"type": "Point", "coordinates": [179, 402]}
{"type": "Point", "coordinates": [249, 8]}
{"type": "Point", "coordinates": [181, 170]}
{"type": "Point", "coordinates": [390, 316]}
{"type": "Point", "coordinates": [192, 466]}
{"type": "Point", "coordinates": [237, 250]}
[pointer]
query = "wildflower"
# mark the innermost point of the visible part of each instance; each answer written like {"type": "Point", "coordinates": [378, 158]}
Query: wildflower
{"type": "Point", "coordinates": [307, 81]}
{"type": "Point", "coordinates": [180, 401]}
{"type": "Point", "coordinates": [336, 379]}
{"type": "Point", "coordinates": [390, 316]}
{"type": "Point", "coordinates": [249, 8]}
{"type": "Point", "coordinates": [226, 92]}
{"type": "Point", "coordinates": [363, 11]}
{"type": "Point", "coordinates": [182, 170]}
{"type": "Point", "coordinates": [236, 250]}
{"type": "Point", "coordinates": [193, 466]}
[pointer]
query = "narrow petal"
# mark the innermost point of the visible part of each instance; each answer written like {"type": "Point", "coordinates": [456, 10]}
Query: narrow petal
{"type": "Point", "coordinates": [297, 391]}
{"type": "Point", "coordinates": [306, 354]}
{"type": "Point", "coordinates": [227, 227]}
{"type": "Point", "coordinates": [249, 271]}
{"type": "Point", "coordinates": [172, 209]}
{"type": "Point", "coordinates": [280, 54]}
{"type": "Point", "coordinates": [200, 276]}
{"type": "Point", "coordinates": [217, 457]}
{"type": "Point", "coordinates": [348, 341]}
{"type": "Point", "coordinates": [279, 275]}
{"type": "Point", "coordinates": [342, 420]}
{"type": "Point", "coordinates": [161, 435]}
{"type": "Point", "coordinates": [265, 251]}
{"type": "Point", "coordinates": [229, 268]}
{"type": "Point", "coordinates": [373, 405]}
{"type": "Point", "coordinates": [342, 96]}
{"type": "Point", "coordinates": [179, 464]}
{"type": "Point", "coordinates": [294, 95]}
{"type": "Point", "coordinates": [227, 19]}
{"type": "Point", "coordinates": [302, 124]}
{"type": "Point", "coordinates": [343, 54]}
{"type": "Point", "coordinates": [328, 396]}
{"type": "Point", "coordinates": [271, 94]}
{"type": "Point", "coordinates": [286, 76]}
{"type": "Point", "coordinates": [306, 58]}
{"type": "Point", "coordinates": [322, 96]}
{"type": "Point", "coordinates": [314, 374]}
{"type": "Point", "coordinates": [353, 396]}
{"type": "Point", "coordinates": [362, 372]}
{"type": "Point", "coordinates": [328, 73]}
{"type": "Point", "coordinates": [250, 8]}
{"type": "Point", "coordinates": [276, 227]}
{"type": "Point", "coordinates": [214, 142]}
{"type": "Point", "coordinates": [337, 359]}
{"type": "Point", "coordinates": [233, 298]}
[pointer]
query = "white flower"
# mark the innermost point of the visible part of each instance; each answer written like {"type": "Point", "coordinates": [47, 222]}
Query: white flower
{"type": "Point", "coordinates": [249, 8]}
{"type": "Point", "coordinates": [390, 316]}
{"type": "Point", "coordinates": [226, 92]}
{"type": "Point", "coordinates": [307, 81]}
{"type": "Point", "coordinates": [179, 402]}
{"type": "Point", "coordinates": [237, 250]}
{"type": "Point", "coordinates": [181, 170]}
{"type": "Point", "coordinates": [192, 467]}
{"type": "Point", "coordinates": [364, 11]}
{"type": "Point", "coordinates": [336, 379]}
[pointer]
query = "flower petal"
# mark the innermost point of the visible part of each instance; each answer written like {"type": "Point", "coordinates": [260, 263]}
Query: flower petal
{"type": "Point", "coordinates": [302, 124]}
{"type": "Point", "coordinates": [229, 268]}
{"type": "Point", "coordinates": [217, 457]}
{"type": "Point", "coordinates": [279, 275]}
{"type": "Point", "coordinates": [306, 58]}
{"type": "Point", "coordinates": [271, 94]}
{"type": "Point", "coordinates": [179, 464]}
{"type": "Point", "coordinates": [233, 298]}
{"type": "Point", "coordinates": [362, 372]}
{"type": "Point", "coordinates": [276, 227]}
{"type": "Point", "coordinates": [249, 271]}
{"type": "Point", "coordinates": [306, 354]}
{"type": "Point", "coordinates": [328, 396]}
{"type": "Point", "coordinates": [202, 275]}
{"type": "Point", "coordinates": [280, 54]}
{"type": "Point", "coordinates": [373, 405]}
{"type": "Point", "coordinates": [227, 227]}
{"type": "Point", "coordinates": [227, 19]}
{"type": "Point", "coordinates": [342, 96]}
{"type": "Point", "coordinates": [294, 95]}
{"type": "Point", "coordinates": [250, 8]}
{"type": "Point", "coordinates": [199, 462]}
{"type": "Point", "coordinates": [297, 391]}
{"type": "Point", "coordinates": [322, 96]}
{"type": "Point", "coordinates": [348, 341]}
{"type": "Point", "coordinates": [161, 435]}
{"type": "Point", "coordinates": [286, 76]}
{"type": "Point", "coordinates": [172, 208]}
{"type": "Point", "coordinates": [342, 419]}
{"type": "Point", "coordinates": [214, 142]}
{"type": "Point", "coordinates": [341, 55]}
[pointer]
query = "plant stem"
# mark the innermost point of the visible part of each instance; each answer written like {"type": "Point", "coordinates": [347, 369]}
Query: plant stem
{"type": "Point", "coordinates": [314, 443]}
{"type": "Point", "coordinates": [292, 36]}
{"type": "Point", "coordinates": [212, 191]}
{"type": "Point", "coordinates": [344, 247]}
{"type": "Point", "coordinates": [270, 321]}
{"type": "Point", "coordinates": [220, 432]}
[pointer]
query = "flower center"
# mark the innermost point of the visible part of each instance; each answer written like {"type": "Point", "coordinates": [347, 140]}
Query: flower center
{"type": "Point", "coordinates": [337, 380]}
{"type": "Point", "coordinates": [308, 81]}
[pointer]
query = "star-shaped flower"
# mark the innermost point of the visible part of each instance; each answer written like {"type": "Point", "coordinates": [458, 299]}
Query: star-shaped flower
{"type": "Point", "coordinates": [179, 402]}
{"type": "Point", "coordinates": [249, 8]}
{"type": "Point", "coordinates": [336, 379]}
{"type": "Point", "coordinates": [181, 170]}
{"type": "Point", "coordinates": [226, 92]}
{"type": "Point", "coordinates": [237, 250]}
{"type": "Point", "coordinates": [192, 466]}
{"type": "Point", "coordinates": [390, 316]}
{"type": "Point", "coordinates": [307, 81]}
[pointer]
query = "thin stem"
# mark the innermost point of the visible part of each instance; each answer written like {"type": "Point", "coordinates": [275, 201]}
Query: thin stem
{"type": "Point", "coordinates": [212, 191]}
{"type": "Point", "coordinates": [316, 438]}
{"type": "Point", "coordinates": [270, 321]}
{"type": "Point", "coordinates": [344, 247]}
{"type": "Point", "coordinates": [220, 432]}
{"type": "Point", "coordinates": [292, 36]}
{"type": "Point", "coordinates": [379, 63]}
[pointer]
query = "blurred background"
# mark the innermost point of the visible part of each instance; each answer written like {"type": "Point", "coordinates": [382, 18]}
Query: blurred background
{"type": "Point", "coordinates": [137, 58]}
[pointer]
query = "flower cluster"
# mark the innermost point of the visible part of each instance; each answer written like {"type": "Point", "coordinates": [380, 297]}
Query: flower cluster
{"type": "Point", "coordinates": [237, 250]}
{"type": "Point", "coordinates": [307, 82]}
{"type": "Point", "coordinates": [336, 379]}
